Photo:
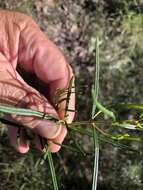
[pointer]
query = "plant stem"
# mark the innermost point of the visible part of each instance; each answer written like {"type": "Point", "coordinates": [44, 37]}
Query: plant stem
{"type": "Point", "coordinates": [51, 165]}
{"type": "Point", "coordinates": [96, 159]}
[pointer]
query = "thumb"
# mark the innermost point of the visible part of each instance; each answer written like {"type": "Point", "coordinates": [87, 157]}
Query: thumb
{"type": "Point", "coordinates": [15, 92]}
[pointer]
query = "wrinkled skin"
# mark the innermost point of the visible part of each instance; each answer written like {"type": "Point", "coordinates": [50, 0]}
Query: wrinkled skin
{"type": "Point", "coordinates": [23, 43]}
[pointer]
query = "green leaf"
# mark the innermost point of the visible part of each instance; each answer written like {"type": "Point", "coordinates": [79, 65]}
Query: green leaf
{"type": "Point", "coordinates": [103, 109]}
{"type": "Point", "coordinates": [127, 137]}
{"type": "Point", "coordinates": [48, 156]}
{"type": "Point", "coordinates": [141, 115]}
{"type": "Point", "coordinates": [96, 159]}
{"type": "Point", "coordinates": [25, 112]}
{"type": "Point", "coordinates": [95, 93]}
{"type": "Point", "coordinates": [95, 87]}
{"type": "Point", "coordinates": [83, 131]}
{"type": "Point", "coordinates": [127, 106]}
{"type": "Point", "coordinates": [68, 96]}
{"type": "Point", "coordinates": [125, 125]}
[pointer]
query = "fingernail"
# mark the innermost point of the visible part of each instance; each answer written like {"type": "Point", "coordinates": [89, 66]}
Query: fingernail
{"type": "Point", "coordinates": [48, 129]}
{"type": "Point", "coordinates": [23, 148]}
{"type": "Point", "coordinates": [54, 147]}
{"type": "Point", "coordinates": [22, 142]}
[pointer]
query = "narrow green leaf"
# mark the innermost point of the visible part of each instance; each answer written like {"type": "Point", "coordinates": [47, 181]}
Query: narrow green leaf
{"type": "Point", "coordinates": [71, 148]}
{"type": "Point", "coordinates": [96, 159]}
{"type": "Point", "coordinates": [48, 156]}
{"type": "Point", "coordinates": [77, 145]}
{"type": "Point", "coordinates": [127, 106]}
{"type": "Point", "coordinates": [25, 112]}
{"type": "Point", "coordinates": [141, 115]}
{"type": "Point", "coordinates": [95, 93]}
{"type": "Point", "coordinates": [103, 109]}
{"type": "Point", "coordinates": [68, 96]}
{"type": "Point", "coordinates": [115, 143]}
{"type": "Point", "coordinates": [95, 87]}
{"type": "Point", "coordinates": [127, 137]}
{"type": "Point", "coordinates": [125, 125]}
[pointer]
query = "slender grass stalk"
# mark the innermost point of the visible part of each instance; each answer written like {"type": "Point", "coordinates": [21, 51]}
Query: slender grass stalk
{"type": "Point", "coordinates": [95, 92]}
{"type": "Point", "coordinates": [103, 109]}
{"type": "Point", "coordinates": [96, 159]}
{"type": "Point", "coordinates": [71, 148]}
{"type": "Point", "coordinates": [98, 113]}
{"type": "Point", "coordinates": [77, 145]}
{"type": "Point", "coordinates": [95, 87]}
{"type": "Point", "coordinates": [25, 112]}
{"type": "Point", "coordinates": [68, 97]}
{"type": "Point", "coordinates": [48, 156]}
{"type": "Point", "coordinates": [125, 125]}
{"type": "Point", "coordinates": [128, 106]}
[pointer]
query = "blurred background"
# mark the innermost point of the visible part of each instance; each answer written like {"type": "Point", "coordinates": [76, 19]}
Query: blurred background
{"type": "Point", "coordinates": [73, 25]}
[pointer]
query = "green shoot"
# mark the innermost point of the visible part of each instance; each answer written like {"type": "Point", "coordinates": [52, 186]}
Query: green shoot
{"type": "Point", "coordinates": [95, 87]}
{"type": "Point", "coordinates": [95, 92]}
{"type": "Point", "coordinates": [102, 108]}
{"type": "Point", "coordinates": [48, 156]}
{"type": "Point", "coordinates": [68, 97]}
{"type": "Point", "coordinates": [96, 159]}
{"type": "Point", "coordinates": [25, 112]}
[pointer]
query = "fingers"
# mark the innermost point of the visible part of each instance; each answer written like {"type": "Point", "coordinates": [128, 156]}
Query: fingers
{"type": "Point", "coordinates": [36, 54]}
{"type": "Point", "coordinates": [29, 47]}
{"type": "Point", "coordinates": [18, 93]}
{"type": "Point", "coordinates": [55, 144]}
{"type": "Point", "coordinates": [62, 100]}
{"type": "Point", "coordinates": [54, 147]}
{"type": "Point", "coordinates": [18, 139]}
{"type": "Point", "coordinates": [48, 129]}
{"type": "Point", "coordinates": [39, 55]}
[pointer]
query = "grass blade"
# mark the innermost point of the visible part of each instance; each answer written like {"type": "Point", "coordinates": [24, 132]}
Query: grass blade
{"type": "Point", "coordinates": [95, 92]}
{"type": "Point", "coordinates": [72, 148]}
{"type": "Point", "coordinates": [102, 108]}
{"type": "Point", "coordinates": [96, 159]}
{"type": "Point", "coordinates": [125, 126]}
{"type": "Point", "coordinates": [48, 156]}
{"type": "Point", "coordinates": [96, 78]}
{"type": "Point", "coordinates": [25, 112]}
{"type": "Point", "coordinates": [128, 106]}
{"type": "Point", "coordinates": [68, 96]}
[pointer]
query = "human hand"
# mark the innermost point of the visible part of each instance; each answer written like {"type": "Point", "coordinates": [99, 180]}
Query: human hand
{"type": "Point", "coordinates": [23, 43]}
